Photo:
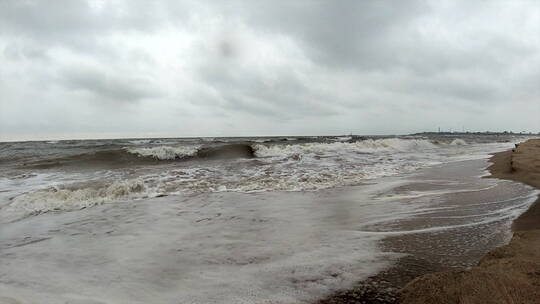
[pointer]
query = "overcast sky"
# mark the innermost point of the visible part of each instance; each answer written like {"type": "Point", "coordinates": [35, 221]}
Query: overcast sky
{"type": "Point", "coordinates": [106, 69]}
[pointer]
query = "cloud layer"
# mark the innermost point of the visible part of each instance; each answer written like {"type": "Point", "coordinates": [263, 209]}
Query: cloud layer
{"type": "Point", "coordinates": [192, 68]}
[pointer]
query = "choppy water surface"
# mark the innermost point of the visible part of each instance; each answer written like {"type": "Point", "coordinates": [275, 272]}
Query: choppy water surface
{"type": "Point", "coordinates": [243, 220]}
{"type": "Point", "coordinates": [38, 177]}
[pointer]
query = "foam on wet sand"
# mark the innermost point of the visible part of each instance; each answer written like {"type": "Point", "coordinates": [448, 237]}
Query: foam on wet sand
{"type": "Point", "coordinates": [508, 274]}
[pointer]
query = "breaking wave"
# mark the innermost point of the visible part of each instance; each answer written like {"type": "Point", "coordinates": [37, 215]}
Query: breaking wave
{"type": "Point", "coordinates": [248, 150]}
{"type": "Point", "coordinates": [148, 155]}
{"type": "Point", "coordinates": [140, 141]}
{"type": "Point", "coordinates": [165, 152]}
{"type": "Point", "coordinates": [364, 146]}
{"type": "Point", "coordinates": [54, 199]}
{"type": "Point", "coordinates": [458, 142]}
{"type": "Point", "coordinates": [115, 158]}
{"type": "Point", "coordinates": [218, 152]}
{"type": "Point", "coordinates": [132, 156]}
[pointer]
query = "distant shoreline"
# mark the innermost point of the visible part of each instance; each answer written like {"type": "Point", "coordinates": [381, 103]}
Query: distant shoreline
{"type": "Point", "coordinates": [477, 133]}
{"type": "Point", "coordinates": [508, 274]}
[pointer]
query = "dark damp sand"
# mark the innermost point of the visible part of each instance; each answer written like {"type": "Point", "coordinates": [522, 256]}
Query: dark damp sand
{"type": "Point", "coordinates": [438, 270]}
{"type": "Point", "coordinates": [508, 274]}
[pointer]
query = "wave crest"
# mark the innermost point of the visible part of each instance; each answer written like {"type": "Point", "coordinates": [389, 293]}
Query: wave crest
{"type": "Point", "coordinates": [53, 199]}
{"type": "Point", "coordinates": [364, 146]}
{"type": "Point", "coordinates": [180, 152]}
{"type": "Point", "coordinates": [458, 142]}
{"type": "Point", "coordinates": [165, 152]}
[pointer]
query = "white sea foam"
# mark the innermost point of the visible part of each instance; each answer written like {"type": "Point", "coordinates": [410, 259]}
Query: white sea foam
{"type": "Point", "coordinates": [293, 167]}
{"type": "Point", "coordinates": [365, 146]}
{"type": "Point", "coordinates": [217, 251]}
{"type": "Point", "coordinates": [343, 138]}
{"type": "Point", "coordinates": [458, 142]}
{"type": "Point", "coordinates": [225, 248]}
{"type": "Point", "coordinates": [165, 152]}
{"type": "Point", "coordinates": [54, 199]}
{"type": "Point", "coordinates": [262, 140]}
{"type": "Point", "coordinates": [290, 167]}
{"type": "Point", "coordinates": [140, 141]}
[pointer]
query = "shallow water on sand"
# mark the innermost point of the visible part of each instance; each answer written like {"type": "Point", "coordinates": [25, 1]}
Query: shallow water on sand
{"type": "Point", "coordinates": [268, 247]}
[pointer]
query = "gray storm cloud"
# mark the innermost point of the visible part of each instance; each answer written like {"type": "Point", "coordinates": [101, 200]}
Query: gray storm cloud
{"type": "Point", "coordinates": [195, 68]}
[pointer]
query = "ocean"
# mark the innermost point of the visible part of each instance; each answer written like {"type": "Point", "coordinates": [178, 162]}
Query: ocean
{"type": "Point", "coordinates": [241, 220]}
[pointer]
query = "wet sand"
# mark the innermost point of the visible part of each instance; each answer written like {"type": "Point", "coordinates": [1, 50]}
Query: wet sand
{"type": "Point", "coordinates": [508, 274]}
{"type": "Point", "coordinates": [437, 263]}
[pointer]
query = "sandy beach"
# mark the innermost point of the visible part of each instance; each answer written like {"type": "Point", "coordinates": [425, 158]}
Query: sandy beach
{"type": "Point", "coordinates": [508, 274]}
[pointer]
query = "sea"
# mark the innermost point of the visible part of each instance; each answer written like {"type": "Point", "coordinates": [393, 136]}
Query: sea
{"type": "Point", "coordinates": [244, 219]}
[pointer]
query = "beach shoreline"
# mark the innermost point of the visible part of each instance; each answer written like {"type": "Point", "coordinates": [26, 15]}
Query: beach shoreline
{"type": "Point", "coordinates": [507, 274]}
{"type": "Point", "coordinates": [417, 279]}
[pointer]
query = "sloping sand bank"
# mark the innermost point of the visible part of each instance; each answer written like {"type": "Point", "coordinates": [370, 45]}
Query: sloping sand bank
{"type": "Point", "coordinates": [508, 274]}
